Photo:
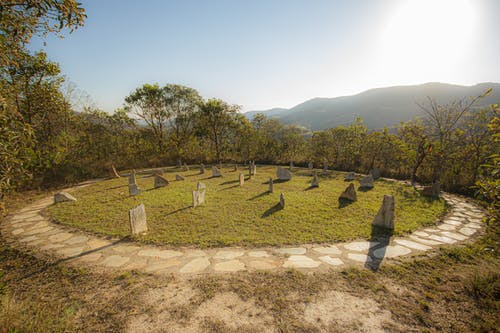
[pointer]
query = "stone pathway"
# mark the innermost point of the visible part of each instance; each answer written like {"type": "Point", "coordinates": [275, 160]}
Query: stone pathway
{"type": "Point", "coordinates": [30, 228]}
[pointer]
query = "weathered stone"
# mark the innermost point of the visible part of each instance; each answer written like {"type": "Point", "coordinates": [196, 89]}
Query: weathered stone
{"type": "Point", "coordinates": [262, 264]}
{"type": "Point", "coordinates": [467, 231]}
{"type": "Point", "coordinates": [159, 254]}
{"type": "Point", "coordinates": [366, 182]}
{"type": "Point", "coordinates": [252, 168]}
{"type": "Point", "coordinates": [159, 181]}
{"type": "Point", "coordinates": [301, 261]}
{"type": "Point", "coordinates": [431, 191]}
{"type": "Point", "coordinates": [349, 176]}
{"type": "Point", "coordinates": [315, 181]}
{"type": "Point", "coordinates": [310, 166]}
{"type": "Point", "coordinates": [242, 179]}
{"type": "Point", "coordinates": [385, 215]}
{"type": "Point", "coordinates": [327, 250]}
{"type": "Point", "coordinates": [195, 265]}
{"type": "Point", "coordinates": [331, 261]}
{"type": "Point", "coordinates": [216, 172]}
{"type": "Point", "coordinates": [284, 174]}
{"type": "Point", "coordinates": [115, 261]}
{"type": "Point", "coordinates": [258, 254]}
{"type": "Point", "coordinates": [412, 245]}
{"type": "Point", "coordinates": [186, 168]}
{"type": "Point", "coordinates": [200, 186]}
{"type": "Point", "coordinates": [349, 193]}
{"type": "Point", "coordinates": [229, 266]}
{"type": "Point", "coordinates": [271, 185]}
{"type": "Point", "coordinates": [179, 177]}
{"type": "Point", "coordinates": [63, 196]}
{"type": "Point", "coordinates": [291, 165]}
{"type": "Point", "coordinates": [228, 254]}
{"type": "Point", "coordinates": [114, 172]}
{"type": "Point", "coordinates": [282, 200]}
{"type": "Point", "coordinates": [360, 246]}
{"type": "Point", "coordinates": [198, 197]}
{"type": "Point", "coordinates": [137, 219]}
{"type": "Point", "coordinates": [131, 178]}
{"type": "Point", "coordinates": [292, 250]}
{"type": "Point", "coordinates": [391, 251]}
{"type": "Point", "coordinates": [133, 189]}
{"type": "Point", "coordinates": [375, 173]}
{"type": "Point", "coordinates": [325, 169]}
{"type": "Point", "coordinates": [359, 257]}
{"type": "Point", "coordinates": [235, 168]}
{"type": "Point", "coordinates": [202, 169]}
{"type": "Point", "coordinates": [179, 163]}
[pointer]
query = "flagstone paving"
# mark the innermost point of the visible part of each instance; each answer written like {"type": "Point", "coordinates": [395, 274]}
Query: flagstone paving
{"type": "Point", "coordinates": [29, 228]}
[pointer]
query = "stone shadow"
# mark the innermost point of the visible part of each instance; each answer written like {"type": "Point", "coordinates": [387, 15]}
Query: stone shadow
{"type": "Point", "coordinates": [310, 188]}
{"type": "Point", "coordinates": [229, 182]}
{"type": "Point", "coordinates": [272, 210]}
{"type": "Point", "coordinates": [259, 195]}
{"type": "Point", "coordinates": [344, 203]}
{"type": "Point", "coordinates": [178, 210]}
{"type": "Point", "coordinates": [382, 236]}
{"type": "Point", "coordinates": [230, 187]}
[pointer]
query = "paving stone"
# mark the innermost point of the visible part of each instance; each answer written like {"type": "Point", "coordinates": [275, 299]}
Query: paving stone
{"type": "Point", "coordinates": [161, 265]}
{"type": "Point", "coordinates": [37, 231]}
{"type": "Point", "coordinates": [136, 265]}
{"type": "Point", "coordinates": [164, 254]}
{"type": "Point", "coordinates": [226, 254]}
{"type": "Point", "coordinates": [473, 225]}
{"type": "Point", "coordinates": [360, 246]}
{"type": "Point", "coordinates": [196, 265]}
{"type": "Point", "coordinates": [447, 227]}
{"type": "Point", "coordinates": [432, 230]}
{"type": "Point", "coordinates": [51, 247]}
{"type": "Point", "coordinates": [359, 257]}
{"type": "Point", "coordinates": [327, 250]}
{"type": "Point", "coordinates": [467, 231]}
{"type": "Point", "coordinates": [454, 235]}
{"type": "Point", "coordinates": [421, 234]}
{"type": "Point", "coordinates": [125, 249]}
{"type": "Point", "coordinates": [229, 266]}
{"type": "Point", "coordinates": [97, 243]}
{"type": "Point", "coordinates": [76, 240]}
{"type": "Point", "coordinates": [453, 222]}
{"type": "Point", "coordinates": [262, 264]}
{"type": "Point", "coordinates": [291, 250]}
{"type": "Point", "coordinates": [60, 237]}
{"type": "Point", "coordinates": [17, 231]}
{"type": "Point", "coordinates": [115, 261]}
{"type": "Point", "coordinates": [301, 261]}
{"type": "Point", "coordinates": [40, 224]}
{"type": "Point", "coordinates": [443, 239]}
{"type": "Point", "coordinates": [412, 245]}
{"type": "Point", "coordinates": [70, 252]}
{"type": "Point", "coordinates": [195, 253]}
{"type": "Point", "coordinates": [331, 261]}
{"type": "Point", "coordinates": [91, 257]}
{"type": "Point", "coordinates": [258, 254]}
{"type": "Point", "coordinates": [36, 242]}
{"type": "Point", "coordinates": [391, 251]}
{"type": "Point", "coordinates": [28, 239]}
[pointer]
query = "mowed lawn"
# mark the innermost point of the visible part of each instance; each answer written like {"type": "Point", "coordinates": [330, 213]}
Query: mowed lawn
{"type": "Point", "coordinates": [248, 215]}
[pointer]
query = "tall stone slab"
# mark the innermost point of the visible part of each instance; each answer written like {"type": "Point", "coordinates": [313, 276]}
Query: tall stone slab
{"type": "Point", "coordinates": [200, 186]}
{"type": "Point", "coordinates": [202, 169]}
{"type": "Point", "coordinates": [271, 189]}
{"type": "Point", "coordinates": [284, 174]}
{"type": "Point", "coordinates": [385, 215]}
{"type": "Point", "coordinates": [159, 181]}
{"type": "Point", "coordinates": [315, 181]}
{"type": "Point", "coordinates": [431, 191]}
{"type": "Point", "coordinates": [291, 165]}
{"type": "Point", "coordinates": [242, 179]}
{"type": "Point", "coordinates": [137, 219]}
{"type": "Point", "coordinates": [325, 169]}
{"type": "Point", "coordinates": [216, 172]}
{"type": "Point", "coordinates": [375, 173]}
{"type": "Point", "coordinates": [310, 166]}
{"type": "Point", "coordinates": [282, 200]}
{"type": "Point", "coordinates": [366, 182]}
{"type": "Point", "coordinates": [131, 178]}
{"type": "Point", "coordinates": [198, 197]}
{"type": "Point", "coordinates": [349, 193]}
{"type": "Point", "coordinates": [133, 189]}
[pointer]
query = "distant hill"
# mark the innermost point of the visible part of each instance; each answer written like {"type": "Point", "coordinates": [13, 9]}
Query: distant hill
{"type": "Point", "coordinates": [378, 107]}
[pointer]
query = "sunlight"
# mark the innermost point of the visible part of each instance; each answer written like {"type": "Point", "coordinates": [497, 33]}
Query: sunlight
{"type": "Point", "coordinates": [427, 36]}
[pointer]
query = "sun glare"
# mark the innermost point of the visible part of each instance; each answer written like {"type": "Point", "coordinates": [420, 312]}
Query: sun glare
{"type": "Point", "coordinates": [427, 36]}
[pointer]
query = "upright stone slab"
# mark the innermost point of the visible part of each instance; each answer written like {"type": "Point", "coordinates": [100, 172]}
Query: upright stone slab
{"type": "Point", "coordinates": [131, 178]}
{"type": "Point", "coordinates": [253, 169]}
{"type": "Point", "coordinates": [314, 181]}
{"type": "Point", "coordinates": [179, 177]}
{"type": "Point", "coordinates": [179, 163]}
{"type": "Point", "coordinates": [235, 168]}
{"type": "Point", "coordinates": [242, 179]}
{"type": "Point", "coordinates": [186, 168]}
{"type": "Point", "coordinates": [282, 200]}
{"type": "Point", "coordinates": [202, 169]}
{"type": "Point", "coordinates": [137, 218]}
{"type": "Point", "coordinates": [198, 197]}
{"type": "Point", "coordinates": [325, 169]}
{"type": "Point", "coordinates": [375, 173]}
{"type": "Point", "coordinates": [220, 165]}
{"type": "Point", "coordinates": [160, 181]}
{"type": "Point", "coordinates": [291, 165]}
{"type": "Point", "coordinates": [310, 166]}
{"type": "Point", "coordinates": [385, 215]}
{"type": "Point", "coordinates": [115, 173]}
{"type": "Point", "coordinates": [216, 172]}
{"type": "Point", "coordinates": [431, 191]}
{"type": "Point", "coordinates": [133, 189]}
{"type": "Point", "coordinates": [349, 193]}
{"type": "Point", "coordinates": [366, 182]}
{"type": "Point", "coordinates": [284, 174]}
{"type": "Point", "coordinates": [271, 185]}
{"type": "Point", "coordinates": [200, 186]}
{"type": "Point", "coordinates": [349, 177]}
{"type": "Point", "coordinates": [63, 196]}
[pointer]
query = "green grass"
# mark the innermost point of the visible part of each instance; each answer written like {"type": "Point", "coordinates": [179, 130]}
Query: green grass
{"type": "Point", "coordinates": [247, 215]}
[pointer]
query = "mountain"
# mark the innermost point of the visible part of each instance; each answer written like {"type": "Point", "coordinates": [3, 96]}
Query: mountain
{"type": "Point", "coordinates": [378, 107]}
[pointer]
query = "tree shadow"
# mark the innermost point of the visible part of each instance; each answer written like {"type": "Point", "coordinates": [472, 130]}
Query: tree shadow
{"type": "Point", "coordinates": [344, 202]}
{"type": "Point", "coordinates": [383, 237]}
{"type": "Point", "coordinates": [259, 195]}
{"type": "Point", "coordinates": [272, 210]}
{"type": "Point", "coordinates": [178, 210]}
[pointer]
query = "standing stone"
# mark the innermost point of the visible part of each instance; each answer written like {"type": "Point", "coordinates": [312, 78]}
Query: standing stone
{"type": "Point", "coordinates": [310, 165]}
{"type": "Point", "coordinates": [282, 200]}
{"type": "Point", "coordinates": [202, 169]}
{"type": "Point", "coordinates": [216, 172]}
{"type": "Point", "coordinates": [325, 169]}
{"type": "Point", "coordinates": [158, 172]}
{"type": "Point", "coordinates": [220, 165]}
{"type": "Point", "coordinates": [137, 218]}
{"type": "Point", "coordinates": [366, 182]}
{"type": "Point", "coordinates": [375, 173]}
{"type": "Point", "coordinates": [385, 215]}
{"type": "Point", "coordinates": [115, 173]}
{"type": "Point", "coordinates": [349, 193]}
{"type": "Point", "coordinates": [133, 189]}
{"type": "Point", "coordinates": [252, 168]}
{"type": "Point", "coordinates": [200, 186]}
{"type": "Point", "coordinates": [291, 165]}
{"type": "Point", "coordinates": [349, 176]}
{"type": "Point", "coordinates": [63, 196]}
{"type": "Point", "coordinates": [198, 197]}
{"type": "Point", "coordinates": [284, 174]}
{"type": "Point", "coordinates": [186, 168]}
{"type": "Point", "coordinates": [431, 191]}
{"type": "Point", "coordinates": [160, 181]}
{"type": "Point", "coordinates": [179, 163]}
{"type": "Point", "coordinates": [131, 178]}
{"type": "Point", "coordinates": [235, 168]}
{"type": "Point", "coordinates": [179, 177]}
{"type": "Point", "coordinates": [271, 185]}
{"type": "Point", "coordinates": [242, 179]}
{"type": "Point", "coordinates": [314, 181]}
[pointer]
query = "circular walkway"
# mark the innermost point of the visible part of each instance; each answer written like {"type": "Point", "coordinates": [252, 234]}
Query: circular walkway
{"type": "Point", "coordinates": [30, 228]}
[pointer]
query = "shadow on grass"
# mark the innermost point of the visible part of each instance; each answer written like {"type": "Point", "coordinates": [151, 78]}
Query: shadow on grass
{"type": "Point", "coordinates": [277, 181]}
{"type": "Point", "coordinates": [365, 189]}
{"type": "Point", "coordinates": [193, 174]}
{"type": "Point", "coordinates": [259, 195]}
{"type": "Point", "coordinates": [381, 236]}
{"type": "Point", "coordinates": [230, 187]}
{"type": "Point", "coordinates": [229, 182]}
{"type": "Point", "coordinates": [272, 210]}
{"type": "Point", "coordinates": [344, 202]}
{"type": "Point", "coordinates": [311, 188]}
{"type": "Point", "coordinates": [178, 210]}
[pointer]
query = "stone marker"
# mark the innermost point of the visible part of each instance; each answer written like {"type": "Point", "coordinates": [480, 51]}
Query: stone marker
{"type": "Point", "coordinates": [242, 179]}
{"type": "Point", "coordinates": [282, 200]}
{"type": "Point", "coordinates": [133, 189]}
{"type": "Point", "coordinates": [202, 169]}
{"type": "Point", "coordinates": [216, 172]}
{"type": "Point", "coordinates": [186, 168]}
{"type": "Point", "coordinates": [220, 165]}
{"type": "Point", "coordinates": [385, 215]}
{"type": "Point", "coordinates": [179, 177]}
{"type": "Point", "coordinates": [158, 172]}
{"type": "Point", "coordinates": [235, 168]}
{"type": "Point", "coordinates": [131, 178]}
{"type": "Point", "coordinates": [137, 218]}
{"type": "Point", "coordinates": [310, 165]}
{"type": "Point", "coordinates": [431, 191]}
{"type": "Point", "coordinates": [63, 196]}
{"type": "Point", "coordinates": [366, 182]}
{"type": "Point", "coordinates": [198, 197]}
{"type": "Point", "coordinates": [252, 168]}
{"type": "Point", "coordinates": [284, 174]}
{"type": "Point", "coordinates": [160, 181]}
{"type": "Point", "coordinates": [200, 186]}
{"type": "Point", "coordinates": [314, 181]}
{"type": "Point", "coordinates": [325, 169]}
{"type": "Point", "coordinates": [375, 173]}
{"type": "Point", "coordinates": [291, 165]}
{"type": "Point", "coordinates": [271, 185]}
{"type": "Point", "coordinates": [115, 173]}
{"type": "Point", "coordinates": [349, 193]}
{"type": "Point", "coordinates": [349, 176]}
{"type": "Point", "coordinates": [179, 163]}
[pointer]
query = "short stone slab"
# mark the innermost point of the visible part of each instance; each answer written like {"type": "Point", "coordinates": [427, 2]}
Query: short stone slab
{"type": "Point", "coordinates": [226, 254]}
{"type": "Point", "coordinates": [446, 227]}
{"type": "Point", "coordinates": [161, 265]}
{"type": "Point", "coordinates": [283, 174]}
{"type": "Point", "coordinates": [473, 225]}
{"type": "Point", "coordinates": [63, 196]}
{"type": "Point", "coordinates": [229, 266]}
{"type": "Point", "coordinates": [258, 254]}
{"type": "Point", "coordinates": [179, 177]}
{"type": "Point", "coordinates": [366, 182]}
{"type": "Point", "coordinates": [163, 254]}
{"type": "Point", "coordinates": [359, 257]}
{"type": "Point", "coordinates": [454, 235]}
{"type": "Point", "coordinates": [61, 237]}
{"type": "Point", "coordinates": [360, 246]}
{"type": "Point", "coordinates": [350, 176]}
{"type": "Point", "coordinates": [262, 264]}
{"type": "Point", "coordinates": [51, 247]}
{"type": "Point", "coordinates": [424, 241]}
{"type": "Point", "coordinates": [97, 243]}
{"type": "Point", "coordinates": [160, 181]}
{"type": "Point", "coordinates": [442, 239]}
{"type": "Point", "coordinates": [412, 245]}
{"type": "Point", "coordinates": [391, 251]}
{"type": "Point", "coordinates": [331, 261]}
{"type": "Point", "coordinates": [115, 261]}
{"type": "Point", "coordinates": [194, 253]}
{"type": "Point", "coordinates": [76, 240]}
{"type": "Point", "coordinates": [125, 249]}
{"type": "Point", "coordinates": [467, 231]}
{"type": "Point", "coordinates": [195, 265]}
{"type": "Point", "coordinates": [28, 239]}
{"type": "Point", "coordinates": [301, 261]}
{"type": "Point", "coordinates": [38, 231]}
{"type": "Point", "coordinates": [452, 222]}
{"type": "Point", "coordinates": [327, 250]}
{"type": "Point", "coordinates": [291, 250]}
{"type": "Point", "coordinates": [349, 194]}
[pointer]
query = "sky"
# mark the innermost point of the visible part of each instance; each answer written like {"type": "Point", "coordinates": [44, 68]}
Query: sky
{"type": "Point", "coordinates": [262, 54]}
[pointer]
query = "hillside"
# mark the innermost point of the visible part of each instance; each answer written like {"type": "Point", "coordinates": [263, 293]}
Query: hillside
{"type": "Point", "coordinates": [378, 107]}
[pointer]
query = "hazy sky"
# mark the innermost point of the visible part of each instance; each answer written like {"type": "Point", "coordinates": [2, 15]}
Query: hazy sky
{"type": "Point", "coordinates": [278, 53]}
